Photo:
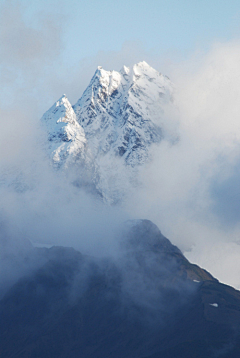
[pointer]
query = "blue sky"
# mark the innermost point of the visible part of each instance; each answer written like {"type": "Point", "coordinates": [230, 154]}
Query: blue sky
{"type": "Point", "coordinates": [162, 27]}
{"type": "Point", "coordinates": [54, 46]}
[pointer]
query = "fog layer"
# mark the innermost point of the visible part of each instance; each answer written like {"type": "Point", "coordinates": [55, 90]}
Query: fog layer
{"type": "Point", "coordinates": [190, 189]}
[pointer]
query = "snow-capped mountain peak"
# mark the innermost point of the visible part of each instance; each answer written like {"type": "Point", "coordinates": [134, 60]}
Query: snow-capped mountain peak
{"type": "Point", "coordinates": [119, 117]}
{"type": "Point", "coordinates": [122, 111]}
{"type": "Point", "coordinates": [61, 111]}
{"type": "Point", "coordinates": [66, 138]}
{"type": "Point", "coordinates": [125, 70]}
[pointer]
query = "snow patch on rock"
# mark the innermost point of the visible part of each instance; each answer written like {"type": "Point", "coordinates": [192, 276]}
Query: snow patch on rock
{"type": "Point", "coordinates": [66, 138]}
{"type": "Point", "coordinates": [112, 127]}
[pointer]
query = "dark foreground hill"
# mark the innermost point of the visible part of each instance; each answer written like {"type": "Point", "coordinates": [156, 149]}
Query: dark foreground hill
{"type": "Point", "coordinates": [148, 302]}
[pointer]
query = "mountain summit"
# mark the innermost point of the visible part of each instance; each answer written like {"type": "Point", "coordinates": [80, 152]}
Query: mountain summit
{"type": "Point", "coordinates": [121, 111]}
{"type": "Point", "coordinates": [115, 122]}
{"type": "Point", "coordinates": [66, 138]}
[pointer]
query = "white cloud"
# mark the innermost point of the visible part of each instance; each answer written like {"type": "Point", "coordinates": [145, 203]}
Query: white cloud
{"type": "Point", "coordinates": [190, 189]}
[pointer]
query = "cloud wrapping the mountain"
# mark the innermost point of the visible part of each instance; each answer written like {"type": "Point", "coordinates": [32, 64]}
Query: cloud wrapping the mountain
{"type": "Point", "coordinates": [36, 204]}
{"type": "Point", "coordinates": [190, 189]}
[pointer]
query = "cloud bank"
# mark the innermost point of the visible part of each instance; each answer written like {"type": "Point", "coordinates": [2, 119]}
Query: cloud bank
{"type": "Point", "coordinates": [190, 189]}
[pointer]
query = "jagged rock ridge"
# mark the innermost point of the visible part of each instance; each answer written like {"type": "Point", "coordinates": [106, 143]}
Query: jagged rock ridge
{"type": "Point", "coordinates": [112, 126]}
{"type": "Point", "coordinates": [66, 138]}
{"type": "Point", "coordinates": [121, 111]}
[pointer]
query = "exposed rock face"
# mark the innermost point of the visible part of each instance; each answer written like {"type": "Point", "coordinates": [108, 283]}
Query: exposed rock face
{"type": "Point", "coordinates": [112, 127]}
{"type": "Point", "coordinates": [121, 112]}
{"type": "Point", "coordinates": [66, 138]}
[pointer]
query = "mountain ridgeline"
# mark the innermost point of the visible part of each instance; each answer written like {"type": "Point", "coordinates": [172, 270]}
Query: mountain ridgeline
{"type": "Point", "coordinates": [146, 300]}
{"type": "Point", "coordinates": [114, 124]}
{"type": "Point", "coordinates": [149, 302]}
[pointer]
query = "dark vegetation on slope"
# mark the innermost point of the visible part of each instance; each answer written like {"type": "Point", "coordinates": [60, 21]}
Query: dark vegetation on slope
{"type": "Point", "coordinates": [143, 304]}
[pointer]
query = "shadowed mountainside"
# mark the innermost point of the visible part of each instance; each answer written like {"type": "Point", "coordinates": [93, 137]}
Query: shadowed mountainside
{"type": "Point", "coordinates": [149, 302]}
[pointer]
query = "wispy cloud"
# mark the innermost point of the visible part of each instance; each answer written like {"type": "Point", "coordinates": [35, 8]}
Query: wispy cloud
{"type": "Point", "coordinates": [190, 189]}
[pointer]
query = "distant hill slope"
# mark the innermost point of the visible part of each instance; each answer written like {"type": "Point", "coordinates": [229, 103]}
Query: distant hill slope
{"type": "Point", "coordinates": [149, 302]}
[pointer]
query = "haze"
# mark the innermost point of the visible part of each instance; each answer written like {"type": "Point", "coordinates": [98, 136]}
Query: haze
{"type": "Point", "coordinates": [191, 189]}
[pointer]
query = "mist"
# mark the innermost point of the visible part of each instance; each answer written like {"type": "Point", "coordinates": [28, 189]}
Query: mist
{"type": "Point", "coordinates": [190, 189]}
